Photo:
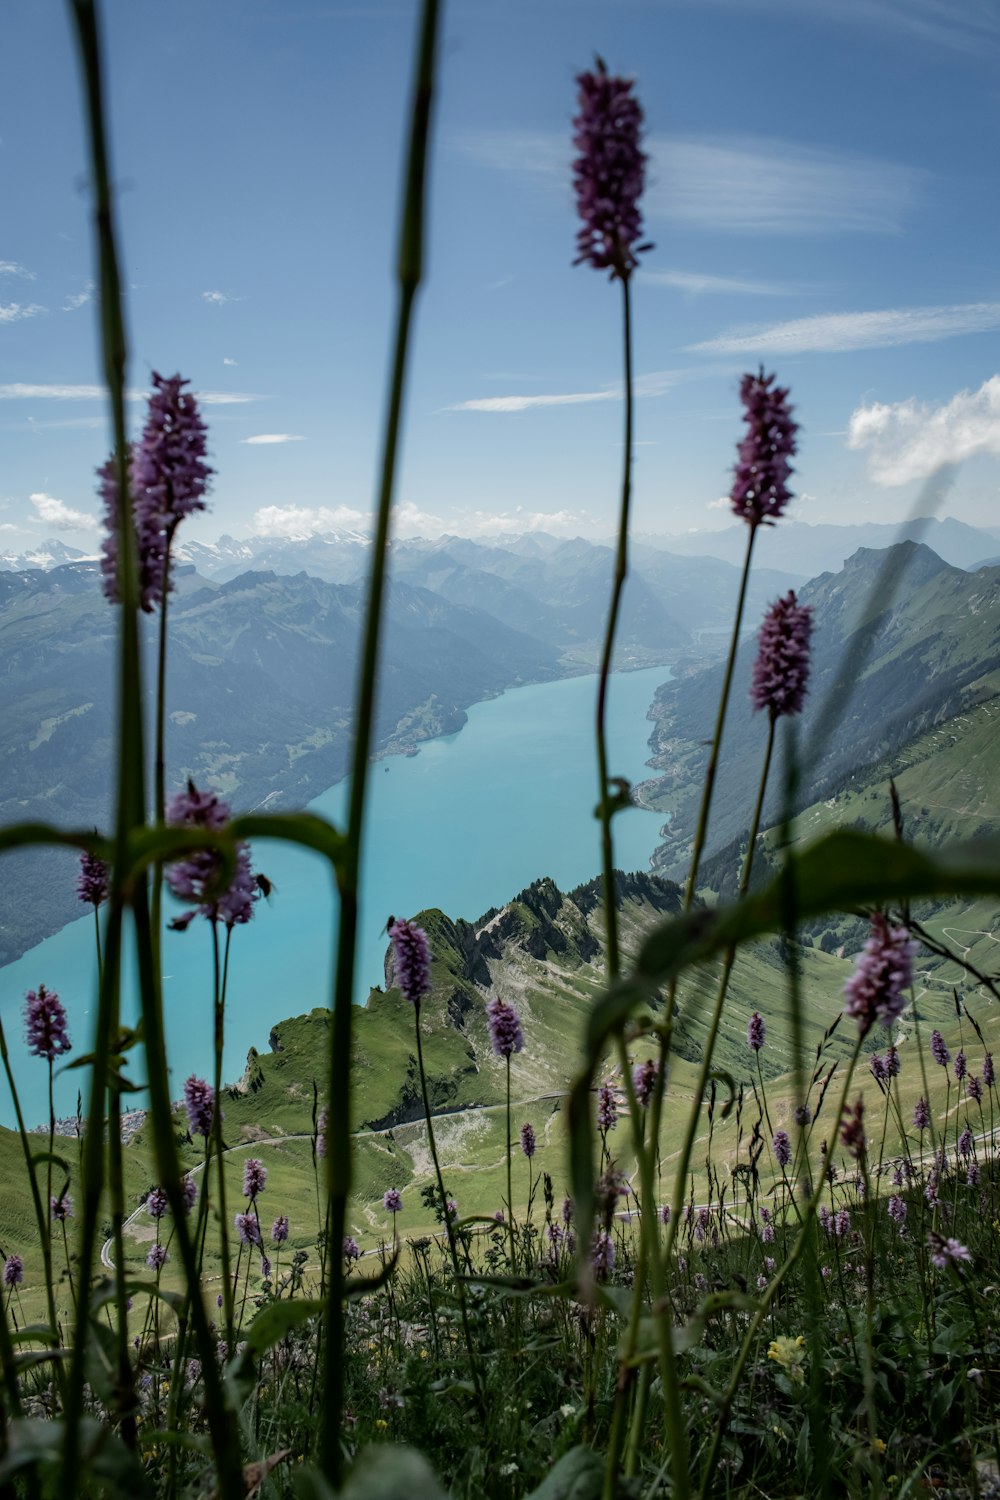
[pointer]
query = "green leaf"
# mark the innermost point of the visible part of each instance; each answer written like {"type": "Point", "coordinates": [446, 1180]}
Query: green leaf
{"type": "Point", "coordinates": [391, 1472]}
{"type": "Point", "coordinates": [20, 835]}
{"type": "Point", "coordinates": [579, 1475]}
{"type": "Point", "coordinates": [277, 1319]}
{"type": "Point", "coordinates": [360, 1286]}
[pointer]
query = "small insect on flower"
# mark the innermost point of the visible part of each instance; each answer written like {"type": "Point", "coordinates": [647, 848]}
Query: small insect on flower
{"type": "Point", "coordinates": [61, 1208]}
{"type": "Point", "coordinates": [790, 1354]}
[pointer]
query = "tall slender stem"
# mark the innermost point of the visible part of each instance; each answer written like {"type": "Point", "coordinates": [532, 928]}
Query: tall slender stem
{"type": "Point", "coordinates": [510, 1191]}
{"type": "Point", "coordinates": [409, 273]}
{"type": "Point", "coordinates": [219, 1012]}
{"type": "Point", "coordinates": [41, 1214]}
{"type": "Point", "coordinates": [605, 807]}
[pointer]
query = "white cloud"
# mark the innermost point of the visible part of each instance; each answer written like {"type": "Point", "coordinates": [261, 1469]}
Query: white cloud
{"type": "Point", "coordinates": [911, 439]}
{"type": "Point", "coordinates": [21, 391]}
{"type": "Point", "coordinates": [13, 268]}
{"type": "Point", "coordinates": [964, 25]}
{"type": "Point", "coordinates": [227, 361]}
{"type": "Point", "coordinates": [744, 183]}
{"type": "Point", "coordinates": [15, 312]}
{"type": "Point", "coordinates": [62, 517]}
{"type": "Point", "coordinates": [304, 520]}
{"type": "Point", "coordinates": [719, 504]}
{"type": "Point", "coordinates": [79, 299]}
{"type": "Point", "coordinates": [274, 437]}
{"type": "Point", "coordinates": [218, 299]}
{"type": "Point", "coordinates": [835, 332]}
{"type": "Point", "coordinates": [655, 383]}
{"type": "Point", "coordinates": [696, 283]}
{"type": "Point", "coordinates": [556, 522]}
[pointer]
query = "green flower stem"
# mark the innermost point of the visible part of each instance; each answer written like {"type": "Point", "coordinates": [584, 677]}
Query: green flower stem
{"type": "Point", "coordinates": [449, 1229]}
{"type": "Point", "coordinates": [701, 832]}
{"type": "Point", "coordinates": [766, 1301]}
{"type": "Point", "coordinates": [510, 1191]}
{"type": "Point", "coordinates": [159, 764]}
{"type": "Point", "coordinates": [41, 1214]}
{"type": "Point", "coordinates": [220, 977]}
{"type": "Point", "coordinates": [605, 806]}
{"type": "Point", "coordinates": [409, 271]}
{"type": "Point", "coordinates": [691, 1131]}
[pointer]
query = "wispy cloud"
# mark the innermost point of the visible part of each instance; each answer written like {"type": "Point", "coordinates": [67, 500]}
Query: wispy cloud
{"type": "Point", "coordinates": [835, 332]}
{"type": "Point", "coordinates": [15, 312]}
{"type": "Point", "coordinates": [656, 383]}
{"type": "Point", "coordinates": [14, 268]}
{"type": "Point", "coordinates": [61, 517]}
{"type": "Point", "coordinates": [743, 183]}
{"type": "Point", "coordinates": [219, 299]}
{"type": "Point", "coordinates": [304, 520]}
{"type": "Point", "coordinates": [22, 391]}
{"type": "Point", "coordinates": [79, 299]}
{"type": "Point", "coordinates": [274, 437]}
{"type": "Point", "coordinates": [910, 440]}
{"type": "Point", "coordinates": [960, 25]}
{"type": "Point", "coordinates": [227, 361]}
{"type": "Point", "coordinates": [697, 283]}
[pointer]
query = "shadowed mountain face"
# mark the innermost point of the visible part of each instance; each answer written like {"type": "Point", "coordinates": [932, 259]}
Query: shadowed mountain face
{"type": "Point", "coordinates": [933, 650]}
{"type": "Point", "coordinates": [260, 687]}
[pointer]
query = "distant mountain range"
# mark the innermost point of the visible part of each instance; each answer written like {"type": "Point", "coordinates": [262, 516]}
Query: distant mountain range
{"type": "Point", "coordinates": [934, 654]}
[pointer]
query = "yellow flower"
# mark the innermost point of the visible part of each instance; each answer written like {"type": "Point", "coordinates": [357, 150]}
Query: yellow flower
{"type": "Point", "coordinates": [878, 1445]}
{"type": "Point", "coordinates": [381, 1424]}
{"type": "Point", "coordinates": [789, 1354]}
{"type": "Point", "coordinates": [423, 1354]}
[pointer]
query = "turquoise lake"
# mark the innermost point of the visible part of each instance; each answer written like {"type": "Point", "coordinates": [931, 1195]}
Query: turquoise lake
{"type": "Point", "coordinates": [464, 825]}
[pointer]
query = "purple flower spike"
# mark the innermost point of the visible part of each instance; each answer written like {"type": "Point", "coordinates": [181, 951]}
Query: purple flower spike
{"type": "Point", "coordinates": [279, 1229]}
{"type": "Point", "coordinates": [248, 1229]}
{"type": "Point", "coordinates": [157, 1258]}
{"type": "Point", "coordinates": [13, 1271]}
{"type": "Point", "coordinates": [602, 1254]}
{"type": "Point", "coordinates": [150, 540]}
{"type": "Point", "coordinates": [392, 1201]}
{"type": "Point", "coordinates": [199, 1101]}
{"type": "Point", "coordinates": [61, 1208]}
{"type": "Point", "coordinates": [921, 1115]}
{"type": "Point", "coordinates": [528, 1143]}
{"type": "Point", "coordinates": [411, 956]}
{"type": "Point", "coordinates": [884, 971]}
{"type": "Point", "coordinates": [947, 1252]}
{"type": "Point", "coordinates": [781, 670]}
{"type": "Point", "coordinates": [254, 1177]}
{"type": "Point", "coordinates": [157, 1203]}
{"type": "Point", "coordinates": [189, 1192]}
{"type": "Point", "coordinates": [322, 1122]}
{"type": "Point", "coordinates": [961, 1066]}
{"type": "Point", "coordinates": [892, 1062]}
{"type": "Point", "coordinates": [939, 1050]}
{"type": "Point", "coordinates": [756, 1031]}
{"type": "Point", "coordinates": [607, 1108]}
{"type": "Point", "coordinates": [782, 1148]}
{"type": "Point", "coordinates": [351, 1251]}
{"type": "Point", "coordinates": [897, 1208]}
{"type": "Point", "coordinates": [92, 879]}
{"type": "Point", "coordinates": [45, 1024]}
{"type": "Point", "coordinates": [644, 1081]}
{"type": "Point", "coordinates": [196, 877]}
{"type": "Point", "coordinates": [171, 475]}
{"type": "Point", "coordinates": [965, 1142]}
{"type": "Point", "coordinates": [609, 173]}
{"type": "Point", "coordinates": [760, 487]}
{"type": "Point", "coordinates": [989, 1075]}
{"type": "Point", "coordinates": [506, 1036]}
{"type": "Point", "coordinates": [974, 1088]}
{"type": "Point", "coordinates": [878, 1066]}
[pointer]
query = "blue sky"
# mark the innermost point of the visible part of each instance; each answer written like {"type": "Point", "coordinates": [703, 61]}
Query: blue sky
{"type": "Point", "coordinates": [821, 193]}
